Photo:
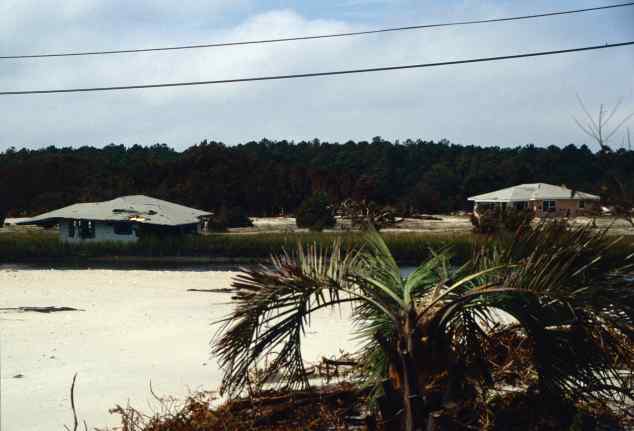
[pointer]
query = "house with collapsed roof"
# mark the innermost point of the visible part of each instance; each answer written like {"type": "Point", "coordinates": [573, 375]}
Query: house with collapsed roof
{"type": "Point", "coordinates": [543, 199]}
{"type": "Point", "coordinates": [121, 219]}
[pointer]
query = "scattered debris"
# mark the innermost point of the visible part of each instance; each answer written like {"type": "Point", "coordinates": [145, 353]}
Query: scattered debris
{"type": "Point", "coordinates": [336, 407]}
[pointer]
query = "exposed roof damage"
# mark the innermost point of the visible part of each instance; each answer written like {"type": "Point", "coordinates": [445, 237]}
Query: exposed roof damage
{"type": "Point", "coordinates": [532, 192]}
{"type": "Point", "coordinates": [136, 208]}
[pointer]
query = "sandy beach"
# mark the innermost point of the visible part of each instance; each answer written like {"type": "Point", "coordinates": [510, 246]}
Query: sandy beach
{"type": "Point", "coordinates": [136, 326]}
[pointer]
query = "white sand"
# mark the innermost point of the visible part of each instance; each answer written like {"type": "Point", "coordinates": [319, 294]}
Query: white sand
{"type": "Point", "coordinates": [137, 326]}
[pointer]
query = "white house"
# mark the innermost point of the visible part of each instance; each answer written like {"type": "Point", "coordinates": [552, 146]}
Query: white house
{"type": "Point", "coordinates": [121, 219]}
{"type": "Point", "coordinates": [544, 199]}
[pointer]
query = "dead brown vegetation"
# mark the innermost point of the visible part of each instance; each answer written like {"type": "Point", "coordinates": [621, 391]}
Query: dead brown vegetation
{"type": "Point", "coordinates": [514, 404]}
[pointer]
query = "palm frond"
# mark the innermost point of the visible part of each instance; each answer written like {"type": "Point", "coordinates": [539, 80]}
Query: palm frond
{"type": "Point", "coordinates": [378, 268]}
{"type": "Point", "coordinates": [570, 298]}
{"type": "Point", "coordinates": [273, 306]}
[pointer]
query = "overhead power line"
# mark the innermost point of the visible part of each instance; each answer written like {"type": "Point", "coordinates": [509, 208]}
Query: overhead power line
{"type": "Point", "coordinates": [316, 74]}
{"type": "Point", "coordinates": [320, 36]}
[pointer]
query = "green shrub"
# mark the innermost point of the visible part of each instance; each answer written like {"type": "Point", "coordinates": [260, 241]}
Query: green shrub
{"type": "Point", "coordinates": [229, 217]}
{"type": "Point", "coordinates": [514, 219]}
{"type": "Point", "coordinates": [496, 220]}
{"type": "Point", "coordinates": [315, 213]}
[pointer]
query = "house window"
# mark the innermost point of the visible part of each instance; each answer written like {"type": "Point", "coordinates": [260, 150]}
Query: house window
{"type": "Point", "coordinates": [86, 229]}
{"type": "Point", "coordinates": [71, 229]}
{"type": "Point", "coordinates": [548, 206]}
{"type": "Point", "coordinates": [123, 228]}
{"type": "Point", "coordinates": [582, 204]}
{"type": "Point", "coordinates": [521, 205]}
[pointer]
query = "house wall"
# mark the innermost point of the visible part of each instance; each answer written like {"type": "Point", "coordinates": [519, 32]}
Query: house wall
{"type": "Point", "coordinates": [103, 232]}
{"type": "Point", "coordinates": [565, 208]}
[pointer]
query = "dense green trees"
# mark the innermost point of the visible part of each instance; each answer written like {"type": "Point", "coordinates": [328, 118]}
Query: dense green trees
{"type": "Point", "coordinates": [5, 198]}
{"type": "Point", "coordinates": [269, 177]}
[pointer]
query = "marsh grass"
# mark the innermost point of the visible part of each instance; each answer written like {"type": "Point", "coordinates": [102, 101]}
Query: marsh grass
{"type": "Point", "coordinates": [409, 248]}
{"type": "Point", "coordinates": [16, 247]}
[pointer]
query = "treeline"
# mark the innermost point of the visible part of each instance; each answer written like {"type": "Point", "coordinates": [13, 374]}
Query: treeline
{"type": "Point", "coordinates": [274, 177]}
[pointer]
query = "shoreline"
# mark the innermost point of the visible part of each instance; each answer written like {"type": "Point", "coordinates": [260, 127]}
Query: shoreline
{"type": "Point", "coordinates": [131, 262]}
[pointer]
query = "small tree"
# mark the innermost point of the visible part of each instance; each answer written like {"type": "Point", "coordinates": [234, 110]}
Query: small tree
{"type": "Point", "coordinates": [619, 197]}
{"type": "Point", "coordinates": [599, 129]}
{"type": "Point", "coordinates": [315, 213]}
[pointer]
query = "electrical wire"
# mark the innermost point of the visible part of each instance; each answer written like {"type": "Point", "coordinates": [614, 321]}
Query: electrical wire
{"type": "Point", "coordinates": [320, 36]}
{"type": "Point", "coordinates": [316, 74]}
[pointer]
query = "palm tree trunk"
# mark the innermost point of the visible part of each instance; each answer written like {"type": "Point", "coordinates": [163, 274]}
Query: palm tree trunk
{"type": "Point", "coordinates": [412, 399]}
{"type": "Point", "coordinates": [411, 408]}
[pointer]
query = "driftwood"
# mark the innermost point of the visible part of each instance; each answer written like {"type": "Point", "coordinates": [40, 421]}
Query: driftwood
{"type": "Point", "coordinates": [424, 217]}
{"type": "Point", "coordinates": [50, 309]}
{"type": "Point", "coordinates": [221, 290]}
{"type": "Point", "coordinates": [343, 368]}
{"type": "Point", "coordinates": [72, 405]}
{"type": "Point", "coordinates": [363, 214]}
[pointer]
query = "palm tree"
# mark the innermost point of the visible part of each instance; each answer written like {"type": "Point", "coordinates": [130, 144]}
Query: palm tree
{"type": "Point", "coordinates": [428, 329]}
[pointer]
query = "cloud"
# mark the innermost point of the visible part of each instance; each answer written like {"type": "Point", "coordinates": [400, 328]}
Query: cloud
{"type": "Point", "coordinates": [506, 103]}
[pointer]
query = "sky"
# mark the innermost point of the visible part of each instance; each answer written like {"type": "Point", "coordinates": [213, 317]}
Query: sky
{"type": "Point", "coordinates": [506, 104]}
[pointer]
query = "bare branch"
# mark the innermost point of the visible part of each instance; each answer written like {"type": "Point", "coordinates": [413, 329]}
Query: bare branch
{"type": "Point", "coordinates": [616, 107]}
{"type": "Point", "coordinates": [616, 129]}
{"type": "Point", "coordinates": [585, 130]}
{"type": "Point", "coordinates": [600, 128]}
{"type": "Point", "coordinates": [585, 110]}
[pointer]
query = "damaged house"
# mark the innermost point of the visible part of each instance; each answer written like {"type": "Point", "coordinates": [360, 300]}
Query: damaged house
{"type": "Point", "coordinates": [121, 219]}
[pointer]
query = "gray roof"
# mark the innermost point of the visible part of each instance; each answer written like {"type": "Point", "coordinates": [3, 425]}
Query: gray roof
{"type": "Point", "coordinates": [532, 192]}
{"type": "Point", "coordinates": [137, 208]}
